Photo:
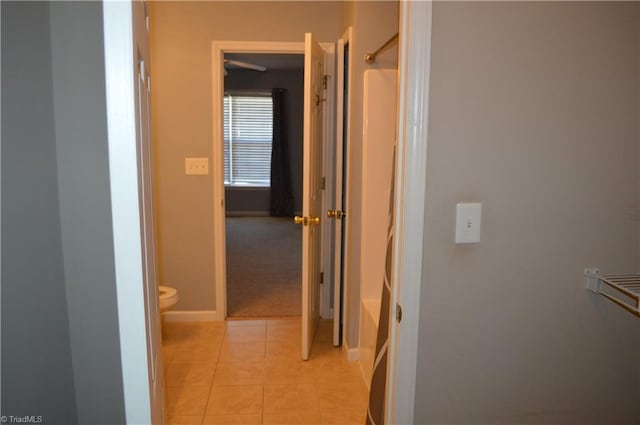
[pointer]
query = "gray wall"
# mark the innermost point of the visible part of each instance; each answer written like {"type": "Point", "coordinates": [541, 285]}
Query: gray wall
{"type": "Point", "coordinates": [37, 377]}
{"type": "Point", "coordinates": [61, 355]}
{"type": "Point", "coordinates": [534, 113]}
{"type": "Point", "coordinates": [256, 200]}
{"type": "Point", "coordinates": [85, 209]}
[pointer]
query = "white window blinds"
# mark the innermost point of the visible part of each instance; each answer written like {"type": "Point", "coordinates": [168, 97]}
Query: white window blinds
{"type": "Point", "coordinates": [248, 132]}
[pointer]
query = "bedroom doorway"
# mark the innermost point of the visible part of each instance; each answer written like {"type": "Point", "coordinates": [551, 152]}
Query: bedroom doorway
{"type": "Point", "coordinates": [237, 216]}
{"type": "Point", "coordinates": [263, 99]}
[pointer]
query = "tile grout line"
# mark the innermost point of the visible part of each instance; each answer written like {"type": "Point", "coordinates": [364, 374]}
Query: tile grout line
{"type": "Point", "coordinates": [215, 371]}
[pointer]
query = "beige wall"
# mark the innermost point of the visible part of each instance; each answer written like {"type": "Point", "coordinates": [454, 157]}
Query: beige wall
{"type": "Point", "coordinates": [373, 24]}
{"type": "Point", "coordinates": [181, 35]}
{"type": "Point", "coordinates": [534, 112]}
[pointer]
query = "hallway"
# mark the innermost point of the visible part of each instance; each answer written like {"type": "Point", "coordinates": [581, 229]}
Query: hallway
{"type": "Point", "coordinates": [250, 372]}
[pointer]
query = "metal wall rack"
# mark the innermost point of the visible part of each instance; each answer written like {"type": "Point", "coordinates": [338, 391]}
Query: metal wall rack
{"type": "Point", "coordinates": [624, 290]}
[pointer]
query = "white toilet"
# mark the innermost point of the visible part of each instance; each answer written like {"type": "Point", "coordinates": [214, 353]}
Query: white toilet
{"type": "Point", "coordinates": [168, 297]}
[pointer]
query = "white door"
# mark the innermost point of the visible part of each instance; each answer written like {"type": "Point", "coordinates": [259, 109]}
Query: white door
{"type": "Point", "coordinates": [154, 338]}
{"type": "Point", "coordinates": [312, 190]}
{"type": "Point", "coordinates": [145, 182]}
{"type": "Point", "coordinates": [338, 213]}
{"type": "Point", "coordinates": [128, 86]}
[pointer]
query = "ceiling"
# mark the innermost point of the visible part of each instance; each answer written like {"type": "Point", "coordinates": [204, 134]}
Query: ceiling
{"type": "Point", "coordinates": [271, 61]}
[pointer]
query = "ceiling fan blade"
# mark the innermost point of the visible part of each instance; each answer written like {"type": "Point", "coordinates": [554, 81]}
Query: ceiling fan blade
{"type": "Point", "coordinates": [245, 65]}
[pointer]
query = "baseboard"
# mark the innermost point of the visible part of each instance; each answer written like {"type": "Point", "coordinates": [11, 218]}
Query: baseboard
{"type": "Point", "coordinates": [353, 354]}
{"type": "Point", "coordinates": [191, 316]}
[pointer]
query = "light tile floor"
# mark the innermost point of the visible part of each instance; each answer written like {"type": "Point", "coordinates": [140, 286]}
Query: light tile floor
{"type": "Point", "coordinates": [250, 372]}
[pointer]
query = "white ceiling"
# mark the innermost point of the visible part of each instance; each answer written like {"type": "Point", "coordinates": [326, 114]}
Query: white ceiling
{"type": "Point", "coordinates": [271, 61]}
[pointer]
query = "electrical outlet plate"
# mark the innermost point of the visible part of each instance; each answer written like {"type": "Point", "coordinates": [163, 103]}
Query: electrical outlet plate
{"type": "Point", "coordinates": [196, 166]}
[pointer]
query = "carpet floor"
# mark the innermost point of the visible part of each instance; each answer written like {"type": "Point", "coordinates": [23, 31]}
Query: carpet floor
{"type": "Point", "coordinates": [264, 273]}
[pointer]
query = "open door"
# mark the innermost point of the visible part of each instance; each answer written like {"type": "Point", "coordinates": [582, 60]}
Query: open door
{"type": "Point", "coordinates": [312, 189]}
{"type": "Point", "coordinates": [145, 182]}
{"type": "Point", "coordinates": [128, 87]}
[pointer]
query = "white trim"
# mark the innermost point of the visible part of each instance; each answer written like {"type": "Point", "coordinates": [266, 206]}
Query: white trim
{"type": "Point", "coordinates": [191, 316]}
{"type": "Point", "coordinates": [218, 48]}
{"type": "Point", "coordinates": [127, 227]}
{"type": "Point", "coordinates": [410, 193]}
{"type": "Point", "coordinates": [352, 354]}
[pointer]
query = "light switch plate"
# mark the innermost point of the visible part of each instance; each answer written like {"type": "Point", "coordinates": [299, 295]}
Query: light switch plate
{"type": "Point", "coordinates": [196, 166]}
{"type": "Point", "coordinates": [468, 219]}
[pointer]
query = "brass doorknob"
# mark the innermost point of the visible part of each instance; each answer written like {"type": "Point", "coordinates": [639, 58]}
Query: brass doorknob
{"type": "Point", "coordinates": [305, 221]}
{"type": "Point", "coordinates": [336, 214]}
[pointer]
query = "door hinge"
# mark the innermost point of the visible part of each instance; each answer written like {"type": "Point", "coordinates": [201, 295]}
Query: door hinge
{"type": "Point", "coordinates": [146, 16]}
{"type": "Point", "coordinates": [398, 313]}
{"type": "Point", "coordinates": [321, 278]}
{"type": "Point", "coordinates": [325, 81]}
{"type": "Point", "coordinates": [324, 182]}
{"type": "Point", "coordinates": [141, 70]}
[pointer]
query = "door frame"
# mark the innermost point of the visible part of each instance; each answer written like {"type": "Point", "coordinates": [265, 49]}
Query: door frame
{"type": "Point", "coordinates": [340, 247]}
{"type": "Point", "coordinates": [414, 66]}
{"type": "Point", "coordinates": [218, 49]}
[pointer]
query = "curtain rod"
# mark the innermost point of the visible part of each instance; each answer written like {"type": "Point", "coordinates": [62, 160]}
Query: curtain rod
{"type": "Point", "coordinates": [371, 57]}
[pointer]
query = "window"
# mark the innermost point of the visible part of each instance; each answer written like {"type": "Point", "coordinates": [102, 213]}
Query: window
{"type": "Point", "coordinates": [248, 132]}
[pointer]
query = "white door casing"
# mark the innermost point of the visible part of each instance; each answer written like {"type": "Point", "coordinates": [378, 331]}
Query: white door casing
{"type": "Point", "coordinates": [410, 196]}
{"type": "Point", "coordinates": [314, 104]}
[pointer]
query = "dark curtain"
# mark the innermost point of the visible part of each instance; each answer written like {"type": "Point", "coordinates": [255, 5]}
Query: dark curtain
{"type": "Point", "coordinates": [281, 204]}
